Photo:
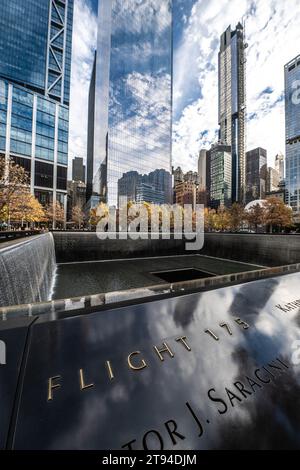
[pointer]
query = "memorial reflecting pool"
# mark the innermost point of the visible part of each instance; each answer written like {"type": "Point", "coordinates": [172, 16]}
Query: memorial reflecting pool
{"type": "Point", "coordinates": [88, 278]}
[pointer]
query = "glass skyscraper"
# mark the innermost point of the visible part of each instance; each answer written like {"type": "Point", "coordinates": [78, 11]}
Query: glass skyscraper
{"type": "Point", "coordinates": [292, 128]}
{"type": "Point", "coordinates": [256, 174]}
{"type": "Point", "coordinates": [130, 106]}
{"type": "Point", "coordinates": [232, 104]}
{"type": "Point", "coordinates": [220, 176]}
{"type": "Point", "coordinates": [35, 67]}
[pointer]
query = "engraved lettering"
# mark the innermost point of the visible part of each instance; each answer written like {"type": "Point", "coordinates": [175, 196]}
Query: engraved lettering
{"type": "Point", "coordinates": [142, 364]}
{"type": "Point", "coordinates": [242, 323]}
{"type": "Point", "coordinates": [241, 388]}
{"type": "Point", "coordinates": [109, 370]}
{"type": "Point", "coordinates": [182, 340]}
{"type": "Point", "coordinates": [211, 333]}
{"type": "Point", "coordinates": [129, 445]}
{"type": "Point", "coordinates": [165, 349]}
{"type": "Point", "coordinates": [52, 386]}
{"type": "Point", "coordinates": [252, 383]}
{"type": "Point", "coordinates": [232, 396]}
{"type": "Point", "coordinates": [225, 325]}
{"type": "Point", "coordinates": [173, 432]}
{"type": "Point", "coordinates": [195, 418]}
{"type": "Point", "coordinates": [158, 437]}
{"type": "Point", "coordinates": [264, 381]}
{"type": "Point", "coordinates": [217, 400]}
{"type": "Point", "coordinates": [83, 385]}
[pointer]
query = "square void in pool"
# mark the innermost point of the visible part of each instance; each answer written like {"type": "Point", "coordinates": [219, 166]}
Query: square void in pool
{"type": "Point", "coordinates": [179, 275]}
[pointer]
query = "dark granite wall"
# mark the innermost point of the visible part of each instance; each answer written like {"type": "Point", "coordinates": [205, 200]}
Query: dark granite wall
{"type": "Point", "coordinates": [262, 249]}
{"type": "Point", "coordinates": [78, 246]}
{"type": "Point", "coordinates": [269, 250]}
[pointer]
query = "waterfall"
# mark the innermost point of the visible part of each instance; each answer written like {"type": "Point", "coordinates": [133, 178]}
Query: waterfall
{"type": "Point", "coordinates": [27, 270]}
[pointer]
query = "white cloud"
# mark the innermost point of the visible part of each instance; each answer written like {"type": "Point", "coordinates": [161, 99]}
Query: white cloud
{"type": "Point", "coordinates": [144, 124]}
{"type": "Point", "coordinates": [84, 44]}
{"type": "Point", "coordinates": [272, 31]}
{"type": "Point", "coordinates": [139, 52]}
{"type": "Point", "coordinates": [137, 16]}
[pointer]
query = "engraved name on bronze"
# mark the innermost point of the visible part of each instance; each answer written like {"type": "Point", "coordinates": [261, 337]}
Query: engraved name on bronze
{"type": "Point", "coordinates": [227, 328]}
{"type": "Point", "coordinates": [223, 400]}
{"type": "Point", "coordinates": [136, 361]}
{"type": "Point", "coordinates": [288, 307]}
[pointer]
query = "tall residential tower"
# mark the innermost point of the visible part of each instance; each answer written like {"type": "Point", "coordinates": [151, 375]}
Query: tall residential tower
{"type": "Point", "coordinates": [35, 67]}
{"type": "Point", "coordinates": [130, 104]}
{"type": "Point", "coordinates": [232, 104]}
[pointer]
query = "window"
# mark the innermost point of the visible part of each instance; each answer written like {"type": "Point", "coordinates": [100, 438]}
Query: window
{"type": "Point", "coordinates": [43, 174]}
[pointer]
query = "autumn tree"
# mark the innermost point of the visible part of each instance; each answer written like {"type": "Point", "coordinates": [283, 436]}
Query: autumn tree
{"type": "Point", "coordinates": [55, 213]}
{"type": "Point", "coordinates": [98, 213]}
{"type": "Point", "coordinates": [222, 219]}
{"type": "Point", "coordinates": [255, 216]}
{"type": "Point", "coordinates": [277, 213]}
{"type": "Point", "coordinates": [206, 219]}
{"type": "Point", "coordinates": [25, 208]}
{"type": "Point", "coordinates": [13, 177]}
{"type": "Point", "coordinates": [210, 219]}
{"type": "Point", "coordinates": [236, 216]}
{"type": "Point", "coordinates": [4, 214]}
{"type": "Point", "coordinates": [77, 215]}
{"type": "Point", "coordinates": [93, 219]}
{"type": "Point", "coordinates": [37, 212]}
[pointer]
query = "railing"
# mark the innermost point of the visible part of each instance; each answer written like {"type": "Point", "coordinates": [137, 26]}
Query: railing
{"type": "Point", "coordinates": [14, 234]}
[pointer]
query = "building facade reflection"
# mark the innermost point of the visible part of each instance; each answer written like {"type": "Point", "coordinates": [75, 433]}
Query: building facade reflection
{"type": "Point", "coordinates": [130, 95]}
{"type": "Point", "coordinates": [155, 188]}
{"type": "Point", "coordinates": [292, 129]}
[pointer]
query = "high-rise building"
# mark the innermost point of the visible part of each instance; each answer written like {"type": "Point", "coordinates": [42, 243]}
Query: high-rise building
{"type": "Point", "coordinates": [208, 177]}
{"type": "Point", "coordinates": [76, 196]}
{"type": "Point", "coordinates": [256, 174]}
{"type": "Point", "coordinates": [292, 132]}
{"type": "Point", "coordinates": [202, 169]}
{"type": "Point", "coordinates": [35, 66]}
{"type": "Point", "coordinates": [146, 192]}
{"type": "Point", "coordinates": [78, 169]}
{"type": "Point", "coordinates": [191, 176]}
{"type": "Point", "coordinates": [279, 165]}
{"type": "Point", "coordinates": [279, 193]}
{"type": "Point", "coordinates": [127, 185]}
{"type": "Point", "coordinates": [220, 176]}
{"type": "Point", "coordinates": [130, 103]}
{"type": "Point", "coordinates": [178, 175]}
{"type": "Point", "coordinates": [91, 133]}
{"type": "Point", "coordinates": [187, 192]}
{"type": "Point", "coordinates": [232, 104]}
{"type": "Point", "coordinates": [137, 188]}
{"type": "Point", "coordinates": [273, 180]}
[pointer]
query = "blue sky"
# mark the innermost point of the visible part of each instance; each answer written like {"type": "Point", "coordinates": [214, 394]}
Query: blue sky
{"type": "Point", "coordinates": [273, 35]}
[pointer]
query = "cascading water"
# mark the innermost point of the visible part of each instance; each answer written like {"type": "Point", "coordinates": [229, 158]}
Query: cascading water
{"type": "Point", "coordinates": [27, 271]}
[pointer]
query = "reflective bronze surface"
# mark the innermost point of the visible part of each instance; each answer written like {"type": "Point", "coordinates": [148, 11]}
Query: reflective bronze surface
{"type": "Point", "coordinates": [13, 335]}
{"type": "Point", "coordinates": [212, 370]}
